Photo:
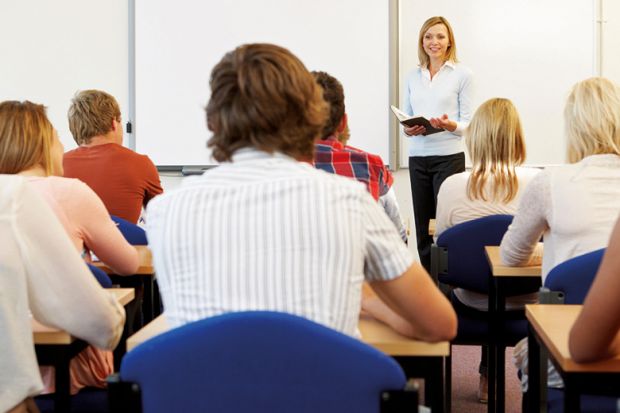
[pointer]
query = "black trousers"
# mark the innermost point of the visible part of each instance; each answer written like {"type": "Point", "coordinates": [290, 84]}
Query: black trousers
{"type": "Point", "coordinates": [426, 174]}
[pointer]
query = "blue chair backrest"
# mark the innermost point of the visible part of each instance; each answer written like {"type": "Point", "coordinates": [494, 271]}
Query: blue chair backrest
{"type": "Point", "coordinates": [101, 276]}
{"type": "Point", "coordinates": [575, 276]}
{"type": "Point", "coordinates": [261, 362]}
{"type": "Point", "coordinates": [468, 266]}
{"type": "Point", "coordinates": [132, 233]}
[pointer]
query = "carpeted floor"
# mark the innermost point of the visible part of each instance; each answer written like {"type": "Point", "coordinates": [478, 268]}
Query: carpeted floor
{"type": "Point", "coordinates": [465, 380]}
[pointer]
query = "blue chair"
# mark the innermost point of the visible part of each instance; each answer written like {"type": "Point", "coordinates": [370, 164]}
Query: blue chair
{"type": "Point", "coordinates": [101, 276]}
{"type": "Point", "coordinates": [261, 362]}
{"type": "Point", "coordinates": [569, 283]}
{"type": "Point", "coordinates": [132, 233]}
{"type": "Point", "coordinates": [572, 279]}
{"type": "Point", "coordinates": [458, 259]}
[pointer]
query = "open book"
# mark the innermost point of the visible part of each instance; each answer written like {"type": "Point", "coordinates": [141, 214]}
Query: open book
{"type": "Point", "coordinates": [407, 120]}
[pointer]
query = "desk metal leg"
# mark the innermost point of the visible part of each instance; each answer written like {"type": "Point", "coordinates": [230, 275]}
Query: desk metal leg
{"type": "Point", "coordinates": [431, 370]}
{"type": "Point", "coordinates": [62, 396]}
{"type": "Point", "coordinates": [434, 390]}
{"type": "Point", "coordinates": [448, 381]}
{"type": "Point", "coordinates": [492, 345]}
{"type": "Point", "coordinates": [500, 349]}
{"type": "Point", "coordinates": [572, 398]}
{"type": "Point", "coordinates": [535, 403]}
{"type": "Point", "coordinates": [147, 308]}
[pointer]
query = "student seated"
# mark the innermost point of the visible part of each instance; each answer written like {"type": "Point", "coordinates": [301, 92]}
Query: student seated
{"type": "Point", "coordinates": [494, 186]}
{"type": "Point", "coordinates": [334, 156]}
{"type": "Point", "coordinates": [267, 231]}
{"type": "Point", "coordinates": [572, 206]}
{"type": "Point", "coordinates": [596, 333]}
{"type": "Point", "coordinates": [124, 180]}
{"type": "Point", "coordinates": [35, 251]}
{"type": "Point", "coordinates": [36, 153]}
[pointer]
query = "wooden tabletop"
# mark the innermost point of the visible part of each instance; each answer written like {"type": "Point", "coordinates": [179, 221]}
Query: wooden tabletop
{"type": "Point", "coordinates": [553, 324]}
{"type": "Point", "coordinates": [50, 335]}
{"type": "Point", "coordinates": [145, 258]}
{"type": "Point", "coordinates": [501, 270]}
{"type": "Point", "coordinates": [374, 333]}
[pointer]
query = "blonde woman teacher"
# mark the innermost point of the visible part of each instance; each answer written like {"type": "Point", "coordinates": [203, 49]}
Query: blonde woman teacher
{"type": "Point", "coordinates": [440, 89]}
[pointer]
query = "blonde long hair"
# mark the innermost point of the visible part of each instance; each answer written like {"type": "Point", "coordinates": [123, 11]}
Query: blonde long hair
{"type": "Point", "coordinates": [592, 119]}
{"type": "Point", "coordinates": [496, 146]}
{"type": "Point", "coordinates": [450, 53]}
{"type": "Point", "coordinates": [26, 137]}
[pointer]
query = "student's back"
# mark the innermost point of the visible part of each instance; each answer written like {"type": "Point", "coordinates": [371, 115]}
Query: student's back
{"type": "Point", "coordinates": [574, 206]}
{"type": "Point", "coordinates": [268, 232]}
{"type": "Point", "coordinates": [124, 180]}
{"type": "Point", "coordinates": [34, 250]}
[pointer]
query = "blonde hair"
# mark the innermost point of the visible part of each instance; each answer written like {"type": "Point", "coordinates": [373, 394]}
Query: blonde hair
{"type": "Point", "coordinates": [592, 119]}
{"type": "Point", "coordinates": [91, 114]}
{"type": "Point", "coordinates": [26, 137]}
{"type": "Point", "coordinates": [496, 146]}
{"type": "Point", "coordinates": [450, 53]}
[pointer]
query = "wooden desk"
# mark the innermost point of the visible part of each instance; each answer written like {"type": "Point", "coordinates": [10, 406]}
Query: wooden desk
{"type": "Point", "coordinates": [56, 348]}
{"type": "Point", "coordinates": [144, 278]}
{"type": "Point", "coordinates": [549, 327]}
{"type": "Point", "coordinates": [502, 276]}
{"type": "Point", "coordinates": [374, 333]}
{"type": "Point", "coordinates": [418, 358]}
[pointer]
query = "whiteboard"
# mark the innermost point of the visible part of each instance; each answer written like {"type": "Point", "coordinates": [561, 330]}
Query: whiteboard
{"type": "Point", "coordinates": [530, 51]}
{"type": "Point", "coordinates": [52, 49]}
{"type": "Point", "coordinates": [178, 43]}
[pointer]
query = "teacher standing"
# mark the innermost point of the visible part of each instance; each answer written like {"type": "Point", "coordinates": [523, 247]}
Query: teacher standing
{"type": "Point", "coordinates": [440, 89]}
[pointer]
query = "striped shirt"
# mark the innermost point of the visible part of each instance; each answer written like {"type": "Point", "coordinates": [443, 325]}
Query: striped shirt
{"type": "Point", "coordinates": [266, 232]}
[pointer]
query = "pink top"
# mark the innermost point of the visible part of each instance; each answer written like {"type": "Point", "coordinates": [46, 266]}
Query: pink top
{"type": "Point", "coordinates": [87, 221]}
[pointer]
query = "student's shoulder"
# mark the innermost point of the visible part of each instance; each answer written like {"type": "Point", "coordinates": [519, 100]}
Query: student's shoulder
{"type": "Point", "coordinates": [456, 180]}
{"type": "Point", "coordinates": [69, 187]}
{"type": "Point", "coordinates": [11, 190]}
{"type": "Point", "coordinates": [527, 173]}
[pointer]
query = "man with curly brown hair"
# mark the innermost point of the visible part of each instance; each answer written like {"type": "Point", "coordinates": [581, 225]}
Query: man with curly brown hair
{"type": "Point", "coordinates": [264, 231]}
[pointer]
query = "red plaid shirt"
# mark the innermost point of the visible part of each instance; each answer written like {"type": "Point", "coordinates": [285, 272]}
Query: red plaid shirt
{"type": "Point", "coordinates": [332, 156]}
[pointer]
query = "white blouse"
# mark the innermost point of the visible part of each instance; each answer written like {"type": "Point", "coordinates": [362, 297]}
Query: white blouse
{"type": "Point", "coordinates": [42, 273]}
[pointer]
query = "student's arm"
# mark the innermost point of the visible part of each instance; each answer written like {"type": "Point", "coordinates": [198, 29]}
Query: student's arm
{"type": "Point", "coordinates": [61, 290]}
{"type": "Point", "coordinates": [530, 222]}
{"type": "Point", "coordinates": [390, 206]}
{"type": "Point", "coordinates": [100, 233]}
{"type": "Point", "coordinates": [404, 286]}
{"type": "Point", "coordinates": [412, 305]}
{"type": "Point", "coordinates": [152, 182]}
{"type": "Point", "coordinates": [596, 333]}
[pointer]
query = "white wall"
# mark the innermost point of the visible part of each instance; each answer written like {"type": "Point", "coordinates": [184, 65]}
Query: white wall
{"type": "Point", "coordinates": [610, 39]}
{"type": "Point", "coordinates": [52, 49]}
